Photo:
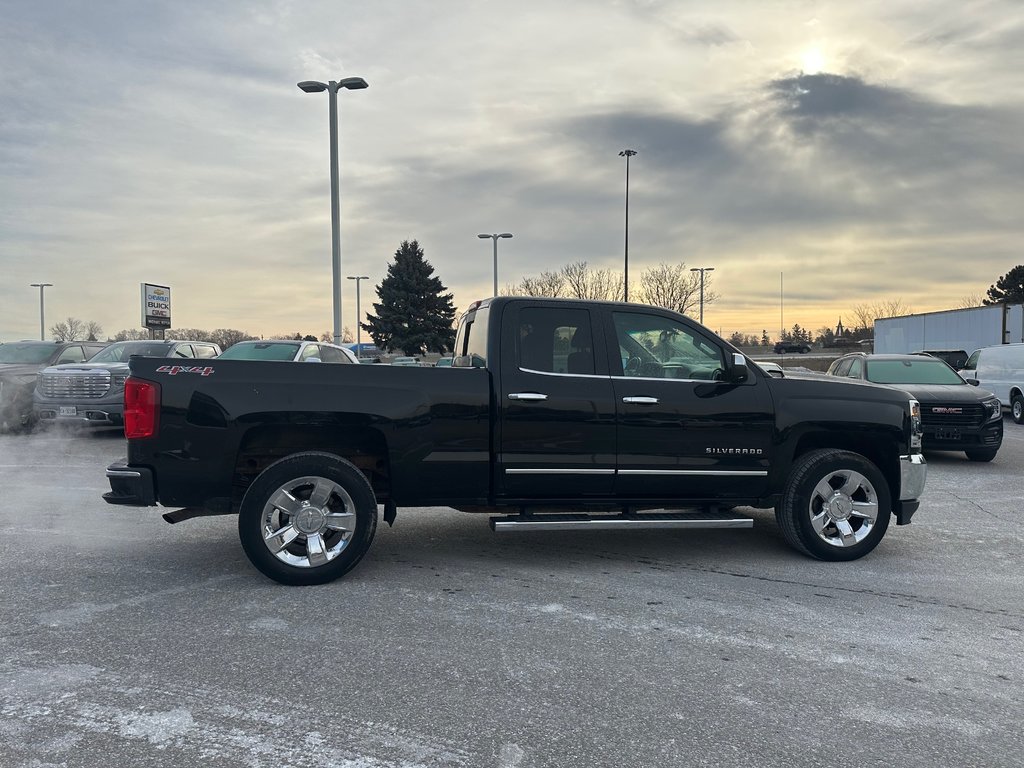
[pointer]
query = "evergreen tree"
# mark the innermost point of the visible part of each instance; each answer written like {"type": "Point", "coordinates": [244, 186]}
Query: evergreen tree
{"type": "Point", "coordinates": [415, 311]}
{"type": "Point", "coordinates": [1008, 288]}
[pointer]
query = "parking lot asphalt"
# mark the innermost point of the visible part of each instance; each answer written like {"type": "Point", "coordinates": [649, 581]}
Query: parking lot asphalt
{"type": "Point", "coordinates": [131, 642]}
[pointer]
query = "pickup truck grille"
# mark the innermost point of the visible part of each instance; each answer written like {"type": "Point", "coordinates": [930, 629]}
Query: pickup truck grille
{"type": "Point", "coordinates": [74, 385]}
{"type": "Point", "coordinates": [952, 414]}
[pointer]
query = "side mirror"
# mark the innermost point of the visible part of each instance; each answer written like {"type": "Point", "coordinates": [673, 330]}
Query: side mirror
{"type": "Point", "coordinates": [737, 371]}
{"type": "Point", "coordinates": [973, 382]}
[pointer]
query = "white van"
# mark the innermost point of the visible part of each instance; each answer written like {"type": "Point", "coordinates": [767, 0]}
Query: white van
{"type": "Point", "coordinates": [1000, 370]}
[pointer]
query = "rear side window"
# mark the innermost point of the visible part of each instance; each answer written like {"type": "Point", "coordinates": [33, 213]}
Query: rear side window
{"type": "Point", "coordinates": [204, 351]}
{"type": "Point", "coordinates": [843, 367]}
{"type": "Point", "coordinates": [71, 355]}
{"type": "Point", "coordinates": [555, 340]}
{"type": "Point", "coordinates": [332, 355]}
{"type": "Point", "coordinates": [183, 350]}
{"type": "Point", "coordinates": [471, 344]}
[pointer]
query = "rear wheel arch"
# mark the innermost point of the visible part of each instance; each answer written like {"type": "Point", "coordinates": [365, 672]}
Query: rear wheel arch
{"type": "Point", "coordinates": [260, 447]}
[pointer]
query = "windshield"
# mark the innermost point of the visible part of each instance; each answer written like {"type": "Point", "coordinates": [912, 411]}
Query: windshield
{"type": "Point", "coordinates": [923, 371]}
{"type": "Point", "coordinates": [26, 353]}
{"type": "Point", "coordinates": [261, 350]}
{"type": "Point", "coordinates": [122, 350]}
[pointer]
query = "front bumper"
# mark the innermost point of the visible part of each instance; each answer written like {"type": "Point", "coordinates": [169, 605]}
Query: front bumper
{"type": "Point", "coordinates": [85, 412]}
{"type": "Point", "coordinates": [131, 486]}
{"type": "Point", "coordinates": [913, 473]}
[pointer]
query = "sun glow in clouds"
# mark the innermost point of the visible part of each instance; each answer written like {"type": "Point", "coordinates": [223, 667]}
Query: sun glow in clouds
{"type": "Point", "coordinates": [812, 61]}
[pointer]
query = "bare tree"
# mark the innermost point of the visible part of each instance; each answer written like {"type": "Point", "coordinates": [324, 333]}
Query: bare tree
{"type": "Point", "coordinates": [131, 334]}
{"type": "Point", "coordinates": [68, 330]}
{"type": "Point", "coordinates": [546, 285]}
{"type": "Point", "coordinates": [865, 314]}
{"type": "Point", "coordinates": [971, 301]}
{"type": "Point", "coordinates": [93, 330]}
{"type": "Point", "coordinates": [674, 287]}
{"type": "Point", "coordinates": [188, 334]}
{"type": "Point", "coordinates": [583, 282]}
{"type": "Point", "coordinates": [225, 337]}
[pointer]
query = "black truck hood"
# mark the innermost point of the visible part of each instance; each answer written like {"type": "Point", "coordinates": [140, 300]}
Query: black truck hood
{"type": "Point", "coordinates": [944, 393]}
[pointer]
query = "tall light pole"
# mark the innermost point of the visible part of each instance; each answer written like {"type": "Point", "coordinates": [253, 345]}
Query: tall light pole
{"type": "Point", "coordinates": [495, 239]}
{"type": "Point", "coordinates": [702, 270]}
{"type": "Point", "coordinates": [332, 87]}
{"type": "Point", "coordinates": [359, 312]}
{"type": "Point", "coordinates": [42, 314]}
{"type": "Point", "coordinates": [626, 153]}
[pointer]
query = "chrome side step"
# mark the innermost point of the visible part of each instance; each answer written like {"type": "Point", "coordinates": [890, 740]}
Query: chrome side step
{"type": "Point", "coordinates": [561, 522]}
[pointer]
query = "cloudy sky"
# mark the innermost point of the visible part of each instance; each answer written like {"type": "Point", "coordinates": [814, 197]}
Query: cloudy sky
{"type": "Point", "coordinates": [863, 151]}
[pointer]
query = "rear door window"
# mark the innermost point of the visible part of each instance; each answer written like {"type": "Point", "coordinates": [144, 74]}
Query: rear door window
{"type": "Point", "coordinates": [556, 340]}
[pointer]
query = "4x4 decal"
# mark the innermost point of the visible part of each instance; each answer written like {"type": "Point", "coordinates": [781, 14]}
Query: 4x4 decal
{"type": "Point", "coordinates": [174, 370]}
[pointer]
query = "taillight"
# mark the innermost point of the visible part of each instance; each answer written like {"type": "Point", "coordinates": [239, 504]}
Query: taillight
{"type": "Point", "coordinates": [141, 408]}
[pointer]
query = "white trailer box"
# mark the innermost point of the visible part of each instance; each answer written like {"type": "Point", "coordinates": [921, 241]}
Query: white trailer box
{"type": "Point", "coordinates": [966, 329]}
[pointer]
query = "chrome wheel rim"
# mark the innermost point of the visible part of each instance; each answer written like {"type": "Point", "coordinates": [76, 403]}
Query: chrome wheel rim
{"type": "Point", "coordinates": [843, 508]}
{"type": "Point", "coordinates": [1018, 409]}
{"type": "Point", "coordinates": [308, 522]}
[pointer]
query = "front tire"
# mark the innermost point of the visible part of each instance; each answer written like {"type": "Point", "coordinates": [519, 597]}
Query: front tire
{"type": "Point", "coordinates": [307, 519]}
{"type": "Point", "coordinates": [981, 454]}
{"type": "Point", "coordinates": [836, 505]}
{"type": "Point", "coordinates": [1017, 408]}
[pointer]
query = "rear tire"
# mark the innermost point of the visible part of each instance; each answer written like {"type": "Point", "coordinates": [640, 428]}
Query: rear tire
{"type": "Point", "coordinates": [307, 519]}
{"type": "Point", "coordinates": [836, 505]}
{"type": "Point", "coordinates": [1017, 409]}
{"type": "Point", "coordinates": [982, 454]}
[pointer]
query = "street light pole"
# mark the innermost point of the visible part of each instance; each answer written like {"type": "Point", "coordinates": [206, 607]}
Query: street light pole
{"type": "Point", "coordinates": [332, 87]}
{"type": "Point", "coordinates": [42, 314]}
{"type": "Point", "coordinates": [702, 270]}
{"type": "Point", "coordinates": [359, 313]}
{"type": "Point", "coordinates": [626, 153]}
{"type": "Point", "coordinates": [495, 237]}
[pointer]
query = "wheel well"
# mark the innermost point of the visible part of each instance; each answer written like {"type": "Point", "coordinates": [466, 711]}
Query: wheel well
{"type": "Point", "coordinates": [262, 446]}
{"type": "Point", "coordinates": [1016, 391]}
{"type": "Point", "coordinates": [880, 452]}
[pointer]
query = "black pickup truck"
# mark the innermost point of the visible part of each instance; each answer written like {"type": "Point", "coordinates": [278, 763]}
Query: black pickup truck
{"type": "Point", "coordinates": [556, 414]}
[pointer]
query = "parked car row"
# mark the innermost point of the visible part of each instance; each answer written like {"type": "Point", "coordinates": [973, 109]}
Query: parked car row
{"type": "Point", "coordinates": [82, 382]}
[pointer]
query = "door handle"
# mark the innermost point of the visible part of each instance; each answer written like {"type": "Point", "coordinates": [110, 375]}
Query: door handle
{"type": "Point", "coordinates": [526, 396]}
{"type": "Point", "coordinates": [641, 400]}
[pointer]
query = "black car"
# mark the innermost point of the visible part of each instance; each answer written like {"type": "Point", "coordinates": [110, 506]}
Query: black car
{"type": "Point", "coordinates": [792, 346]}
{"type": "Point", "coordinates": [955, 415]}
{"type": "Point", "coordinates": [21, 361]}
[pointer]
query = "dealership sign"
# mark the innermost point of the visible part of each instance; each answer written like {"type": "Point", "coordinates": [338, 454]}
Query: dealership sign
{"type": "Point", "coordinates": [156, 306]}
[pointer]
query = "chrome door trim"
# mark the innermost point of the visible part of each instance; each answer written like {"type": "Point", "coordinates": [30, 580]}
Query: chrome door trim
{"type": "Point", "coordinates": [559, 471]}
{"type": "Point", "coordinates": [641, 400]}
{"type": "Point", "coordinates": [705, 472]}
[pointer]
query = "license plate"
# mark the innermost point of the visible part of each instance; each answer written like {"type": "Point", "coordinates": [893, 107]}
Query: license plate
{"type": "Point", "coordinates": [947, 434]}
{"type": "Point", "coordinates": [68, 410]}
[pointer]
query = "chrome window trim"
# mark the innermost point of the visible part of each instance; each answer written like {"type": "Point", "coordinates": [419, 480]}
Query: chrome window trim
{"type": "Point", "coordinates": [656, 378]}
{"type": "Point", "coordinates": [570, 375]}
